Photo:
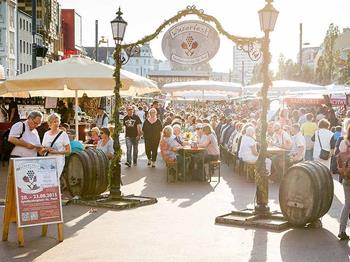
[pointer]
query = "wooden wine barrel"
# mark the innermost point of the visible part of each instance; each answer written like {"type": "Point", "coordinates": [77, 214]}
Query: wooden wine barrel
{"type": "Point", "coordinates": [306, 193]}
{"type": "Point", "coordinates": [87, 173]}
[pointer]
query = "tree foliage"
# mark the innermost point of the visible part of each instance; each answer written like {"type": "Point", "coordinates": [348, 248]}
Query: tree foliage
{"type": "Point", "coordinates": [327, 69]}
{"type": "Point", "coordinates": [288, 70]}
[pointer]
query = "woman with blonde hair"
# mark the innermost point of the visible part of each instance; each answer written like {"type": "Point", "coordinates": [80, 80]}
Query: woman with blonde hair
{"type": "Point", "coordinates": [56, 142]}
{"type": "Point", "coordinates": [166, 151]}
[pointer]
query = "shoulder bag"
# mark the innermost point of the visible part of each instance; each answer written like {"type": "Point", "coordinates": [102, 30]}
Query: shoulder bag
{"type": "Point", "coordinates": [324, 154]}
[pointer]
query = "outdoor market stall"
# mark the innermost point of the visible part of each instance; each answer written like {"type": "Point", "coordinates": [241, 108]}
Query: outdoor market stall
{"type": "Point", "coordinates": [74, 77]}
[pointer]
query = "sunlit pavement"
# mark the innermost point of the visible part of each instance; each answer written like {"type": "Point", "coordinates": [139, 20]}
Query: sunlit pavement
{"type": "Point", "coordinates": [180, 227]}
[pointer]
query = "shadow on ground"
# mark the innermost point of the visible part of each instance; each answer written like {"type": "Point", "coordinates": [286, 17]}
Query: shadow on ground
{"type": "Point", "coordinates": [296, 245]}
{"type": "Point", "coordinates": [76, 218]}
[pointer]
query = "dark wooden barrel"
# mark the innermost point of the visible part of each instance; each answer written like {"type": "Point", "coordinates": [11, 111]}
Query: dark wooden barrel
{"type": "Point", "coordinates": [306, 193]}
{"type": "Point", "coordinates": [87, 173]}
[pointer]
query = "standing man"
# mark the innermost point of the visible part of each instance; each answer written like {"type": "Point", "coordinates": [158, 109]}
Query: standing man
{"type": "Point", "coordinates": [101, 118]}
{"type": "Point", "coordinates": [133, 133]}
{"type": "Point", "coordinates": [25, 137]}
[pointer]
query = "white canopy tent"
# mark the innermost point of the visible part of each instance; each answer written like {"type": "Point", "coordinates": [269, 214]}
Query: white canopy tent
{"type": "Point", "coordinates": [207, 96]}
{"type": "Point", "coordinates": [202, 85]}
{"type": "Point", "coordinates": [73, 77]}
{"type": "Point", "coordinates": [285, 86]}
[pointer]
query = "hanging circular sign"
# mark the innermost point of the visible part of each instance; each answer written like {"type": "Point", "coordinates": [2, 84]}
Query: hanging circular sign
{"type": "Point", "coordinates": [190, 42]}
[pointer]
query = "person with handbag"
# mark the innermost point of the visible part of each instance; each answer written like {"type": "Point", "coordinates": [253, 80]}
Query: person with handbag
{"type": "Point", "coordinates": [324, 143]}
{"type": "Point", "coordinates": [56, 142]}
{"type": "Point", "coordinates": [342, 158]}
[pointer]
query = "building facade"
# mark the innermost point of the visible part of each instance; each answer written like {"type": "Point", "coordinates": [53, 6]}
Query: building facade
{"type": "Point", "coordinates": [142, 63]}
{"type": "Point", "coordinates": [243, 66]}
{"type": "Point", "coordinates": [308, 56]}
{"type": "Point", "coordinates": [72, 32]}
{"type": "Point", "coordinates": [25, 43]}
{"type": "Point", "coordinates": [8, 42]}
{"type": "Point", "coordinates": [48, 25]}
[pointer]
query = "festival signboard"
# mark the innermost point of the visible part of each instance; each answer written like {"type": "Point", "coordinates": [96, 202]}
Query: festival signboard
{"type": "Point", "coordinates": [190, 42]}
{"type": "Point", "coordinates": [38, 196]}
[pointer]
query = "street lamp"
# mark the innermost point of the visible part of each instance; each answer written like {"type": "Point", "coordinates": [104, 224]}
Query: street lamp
{"type": "Point", "coordinates": [118, 30]}
{"type": "Point", "coordinates": [268, 17]}
{"type": "Point", "coordinates": [118, 27]}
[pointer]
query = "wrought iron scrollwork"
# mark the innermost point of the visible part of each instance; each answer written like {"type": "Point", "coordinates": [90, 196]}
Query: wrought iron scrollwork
{"type": "Point", "coordinates": [253, 52]}
{"type": "Point", "coordinates": [128, 52]}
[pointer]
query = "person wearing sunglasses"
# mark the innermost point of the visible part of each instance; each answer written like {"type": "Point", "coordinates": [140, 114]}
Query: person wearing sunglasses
{"type": "Point", "coordinates": [25, 137]}
{"type": "Point", "coordinates": [106, 143]}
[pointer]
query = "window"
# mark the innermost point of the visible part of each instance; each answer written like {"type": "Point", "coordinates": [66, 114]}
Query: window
{"type": "Point", "coordinates": [21, 68]}
{"type": "Point", "coordinates": [24, 46]}
{"type": "Point", "coordinates": [30, 27]}
{"type": "Point", "coordinates": [137, 61]}
{"type": "Point", "coordinates": [30, 67]}
{"type": "Point", "coordinates": [20, 46]}
{"type": "Point", "coordinates": [27, 26]}
{"type": "Point", "coordinates": [27, 67]}
{"type": "Point", "coordinates": [20, 23]}
{"type": "Point", "coordinates": [27, 48]}
{"type": "Point", "coordinates": [137, 70]}
{"type": "Point", "coordinates": [30, 48]}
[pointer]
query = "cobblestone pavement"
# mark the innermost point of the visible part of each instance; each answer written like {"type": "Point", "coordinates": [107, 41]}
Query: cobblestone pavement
{"type": "Point", "coordinates": [180, 227]}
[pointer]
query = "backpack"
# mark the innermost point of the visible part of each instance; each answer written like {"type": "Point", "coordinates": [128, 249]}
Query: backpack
{"type": "Point", "coordinates": [6, 146]}
{"type": "Point", "coordinates": [343, 162]}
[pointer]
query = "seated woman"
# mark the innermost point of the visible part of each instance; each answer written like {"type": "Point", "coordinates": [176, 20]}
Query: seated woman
{"type": "Point", "coordinates": [166, 151]}
{"type": "Point", "coordinates": [210, 143]}
{"type": "Point", "coordinates": [248, 150]}
{"type": "Point", "coordinates": [95, 136]}
{"type": "Point", "coordinates": [106, 143]}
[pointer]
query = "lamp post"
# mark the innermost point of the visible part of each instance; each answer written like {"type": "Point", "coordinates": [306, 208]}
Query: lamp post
{"type": "Point", "coordinates": [268, 17]}
{"type": "Point", "coordinates": [118, 30]}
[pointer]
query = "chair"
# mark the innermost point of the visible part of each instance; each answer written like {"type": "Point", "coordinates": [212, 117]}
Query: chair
{"type": "Point", "coordinates": [171, 168]}
{"type": "Point", "coordinates": [214, 165]}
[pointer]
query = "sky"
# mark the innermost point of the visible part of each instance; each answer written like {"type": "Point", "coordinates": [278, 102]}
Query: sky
{"type": "Point", "coordinates": [237, 17]}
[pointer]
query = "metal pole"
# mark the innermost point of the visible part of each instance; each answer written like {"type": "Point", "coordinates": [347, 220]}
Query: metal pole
{"type": "Point", "coordinates": [107, 53]}
{"type": "Point", "coordinates": [261, 178]}
{"type": "Point", "coordinates": [115, 172]}
{"type": "Point", "coordinates": [301, 47]}
{"type": "Point", "coordinates": [96, 40]}
{"type": "Point", "coordinates": [33, 33]}
{"type": "Point", "coordinates": [76, 116]}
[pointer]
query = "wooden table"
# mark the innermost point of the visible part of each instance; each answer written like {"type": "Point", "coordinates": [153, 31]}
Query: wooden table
{"type": "Point", "coordinates": [187, 152]}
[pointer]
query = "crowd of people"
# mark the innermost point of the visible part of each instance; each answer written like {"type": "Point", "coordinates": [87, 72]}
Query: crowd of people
{"type": "Point", "coordinates": [301, 134]}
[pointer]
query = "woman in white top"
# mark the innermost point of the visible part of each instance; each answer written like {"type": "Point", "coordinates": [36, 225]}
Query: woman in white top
{"type": "Point", "coordinates": [248, 151]}
{"type": "Point", "coordinates": [106, 143]}
{"type": "Point", "coordinates": [60, 147]}
{"type": "Point", "coordinates": [325, 139]}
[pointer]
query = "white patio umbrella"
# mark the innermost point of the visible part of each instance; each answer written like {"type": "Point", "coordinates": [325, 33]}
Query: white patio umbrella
{"type": "Point", "coordinates": [285, 86]}
{"type": "Point", "coordinates": [202, 85]}
{"type": "Point", "coordinates": [72, 78]}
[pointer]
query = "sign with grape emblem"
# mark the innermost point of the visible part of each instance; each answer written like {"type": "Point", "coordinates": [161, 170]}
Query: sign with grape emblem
{"type": "Point", "coordinates": [190, 43]}
{"type": "Point", "coordinates": [37, 191]}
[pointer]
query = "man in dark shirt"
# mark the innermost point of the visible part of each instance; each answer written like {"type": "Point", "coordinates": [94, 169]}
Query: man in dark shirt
{"type": "Point", "coordinates": [133, 133]}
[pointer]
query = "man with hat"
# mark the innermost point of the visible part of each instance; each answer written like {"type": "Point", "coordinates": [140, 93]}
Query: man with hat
{"type": "Point", "coordinates": [101, 119]}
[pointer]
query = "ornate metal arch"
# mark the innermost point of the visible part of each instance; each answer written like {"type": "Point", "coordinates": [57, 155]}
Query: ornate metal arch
{"type": "Point", "coordinates": [244, 43]}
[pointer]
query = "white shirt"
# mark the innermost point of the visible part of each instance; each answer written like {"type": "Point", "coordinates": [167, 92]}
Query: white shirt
{"type": "Point", "coordinates": [59, 145]}
{"type": "Point", "coordinates": [298, 141]}
{"type": "Point", "coordinates": [325, 138]}
{"type": "Point", "coordinates": [245, 151]}
{"type": "Point", "coordinates": [107, 148]}
{"type": "Point", "coordinates": [102, 121]}
{"type": "Point", "coordinates": [141, 115]}
{"type": "Point", "coordinates": [29, 136]}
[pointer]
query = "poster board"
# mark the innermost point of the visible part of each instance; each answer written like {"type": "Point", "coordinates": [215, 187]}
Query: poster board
{"type": "Point", "coordinates": [50, 102]}
{"type": "Point", "coordinates": [37, 189]}
{"type": "Point", "coordinates": [33, 196]}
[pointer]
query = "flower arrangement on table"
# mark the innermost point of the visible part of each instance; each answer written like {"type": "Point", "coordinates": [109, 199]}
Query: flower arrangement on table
{"type": "Point", "coordinates": [187, 135]}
